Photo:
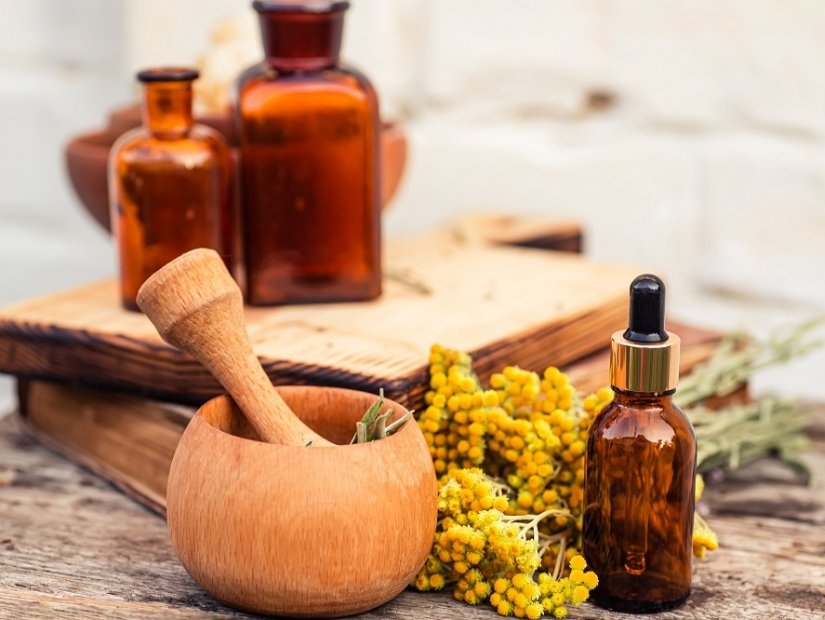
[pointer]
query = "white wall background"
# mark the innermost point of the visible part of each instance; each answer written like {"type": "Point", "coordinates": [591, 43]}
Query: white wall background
{"type": "Point", "coordinates": [688, 136]}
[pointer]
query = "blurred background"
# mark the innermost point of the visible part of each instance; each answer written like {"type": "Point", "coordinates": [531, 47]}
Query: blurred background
{"type": "Point", "coordinates": [688, 137]}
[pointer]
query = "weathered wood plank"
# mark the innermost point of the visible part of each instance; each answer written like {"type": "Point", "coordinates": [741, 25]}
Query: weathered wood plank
{"type": "Point", "coordinates": [71, 546]}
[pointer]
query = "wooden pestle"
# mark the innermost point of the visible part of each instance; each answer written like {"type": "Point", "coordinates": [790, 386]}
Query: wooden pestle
{"type": "Point", "coordinates": [196, 306]}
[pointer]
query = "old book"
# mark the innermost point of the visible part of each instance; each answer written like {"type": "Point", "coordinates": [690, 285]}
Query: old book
{"type": "Point", "coordinates": [130, 440]}
{"type": "Point", "coordinates": [125, 439]}
{"type": "Point", "coordinates": [501, 296]}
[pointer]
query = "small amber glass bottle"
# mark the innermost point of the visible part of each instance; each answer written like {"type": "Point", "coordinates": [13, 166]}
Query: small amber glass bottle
{"type": "Point", "coordinates": [169, 183]}
{"type": "Point", "coordinates": [308, 133]}
{"type": "Point", "coordinates": [640, 467]}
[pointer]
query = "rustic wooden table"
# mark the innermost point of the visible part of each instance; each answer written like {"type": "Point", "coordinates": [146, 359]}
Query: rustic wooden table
{"type": "Point", "coordinates": [73, 547]}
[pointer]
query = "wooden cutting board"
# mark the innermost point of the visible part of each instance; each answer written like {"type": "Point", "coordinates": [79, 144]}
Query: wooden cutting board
{"type": "Point", "coordinates": [455, 286]}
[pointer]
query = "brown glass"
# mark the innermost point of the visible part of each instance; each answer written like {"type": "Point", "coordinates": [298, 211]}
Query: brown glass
{"type": "Point", "coordinates": [310, 194]}
{"type": "Point", "coordinates": [639, 498]}
{"type": "Point", "coordinates": [169, 183]}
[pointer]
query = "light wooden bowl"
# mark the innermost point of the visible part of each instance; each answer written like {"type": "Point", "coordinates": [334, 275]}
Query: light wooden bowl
{"type": "Point", "coordinates": [295, 531]}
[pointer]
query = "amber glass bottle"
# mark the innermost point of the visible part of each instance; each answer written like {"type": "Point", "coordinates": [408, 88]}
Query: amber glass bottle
{"type": "Point", "coordinates": [169, 183]}
{"type": "Point", "coordinates": [640, 469]}
{"type": "Point", "coordinates": [308, 132]}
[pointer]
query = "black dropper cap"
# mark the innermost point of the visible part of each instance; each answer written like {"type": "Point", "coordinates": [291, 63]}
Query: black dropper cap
{"type": "Point", "coordinates": [646, 319]}
{"type": "Point", "coordinates": [644, 357]}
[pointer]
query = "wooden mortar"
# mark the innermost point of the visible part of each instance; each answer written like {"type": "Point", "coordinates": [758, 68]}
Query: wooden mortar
{"type": "Point", "coordinates": [284, 528]}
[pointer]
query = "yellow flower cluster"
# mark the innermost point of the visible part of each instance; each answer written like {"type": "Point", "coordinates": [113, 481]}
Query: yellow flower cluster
{"type": "Point", "coordinates": [541, 432]}
{"type": "Point", "coordinates": [523, 597]}
{"type": "Point", "coordinates": [455, 420]}
{"type": "Point", "coordinates": [704, 538]}
{"type": "Point", "coordinates": [527, 430]}
{"type": "Point", "coordinates": [487, 556]}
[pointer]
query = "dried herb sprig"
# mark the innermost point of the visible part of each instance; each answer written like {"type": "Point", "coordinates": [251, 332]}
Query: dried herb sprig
{"type": "Point", "coordinates": [738, 357]}
{"type": "Point", "coordinates": [374, 424]}
{"type": "Point", "coordinates": [732, 436]}
{"type": "Point", "coordinates": [736, 435]}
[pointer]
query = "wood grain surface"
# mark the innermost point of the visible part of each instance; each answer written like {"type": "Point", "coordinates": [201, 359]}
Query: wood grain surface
{"type": "Point", "coordinates": [500, 303]}
{"type": "Point", "coordinates": [73, 547]}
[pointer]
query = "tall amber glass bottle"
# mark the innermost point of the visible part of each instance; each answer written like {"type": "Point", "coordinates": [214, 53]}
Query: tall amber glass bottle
{"type": "Point", "coordinates": [308, 132]}
{"type": "Point", "coordinates": [169, 183]}
{"type": "Point", "coordinates": [640, 469]}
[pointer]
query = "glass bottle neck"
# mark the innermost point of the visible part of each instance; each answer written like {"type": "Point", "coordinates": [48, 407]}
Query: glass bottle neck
{"type": "Point", "coordinates": [625, 397]}
{"type": "Point", "coordinates": [167, 108]}
{"type": "Point", "coordinates": [295, 41]}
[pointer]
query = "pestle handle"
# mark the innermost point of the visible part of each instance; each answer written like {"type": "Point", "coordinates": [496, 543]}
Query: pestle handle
{"type": "Point", "coordinates": [196, 306]}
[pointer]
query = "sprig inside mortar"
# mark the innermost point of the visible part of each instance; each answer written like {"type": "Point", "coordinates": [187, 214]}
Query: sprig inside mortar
{"type": "Point", "coordinates": [374, 425]}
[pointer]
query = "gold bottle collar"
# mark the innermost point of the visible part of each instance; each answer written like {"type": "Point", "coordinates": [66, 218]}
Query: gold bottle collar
{"type": "Point", "coordinates": [644, 367]}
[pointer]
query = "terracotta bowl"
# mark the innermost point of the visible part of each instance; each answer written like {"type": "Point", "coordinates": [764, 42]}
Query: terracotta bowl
{"type": "Point", "coordinates": [297, 531]}
{"type": "Point", "coordinates": [87, 155]}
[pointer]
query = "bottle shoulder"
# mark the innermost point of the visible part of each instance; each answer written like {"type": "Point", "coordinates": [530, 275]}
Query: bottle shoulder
{"type": "Point", "coordinates": [197, 133]}
{"type": "Point", "coordinates": [657, 420]}
{"type": "Point", "coordinates": [356, 74]}
{"type": "Point", "coordinates": [199, 147]}
{"type": "Point", "coordinates": [251, 73]}
{"type": "Point", "coordinates": [213, 138]}
{"type": "Point", "coordinates": [339, 78]}
{"type": "Point", "coordinates": [129, 139]}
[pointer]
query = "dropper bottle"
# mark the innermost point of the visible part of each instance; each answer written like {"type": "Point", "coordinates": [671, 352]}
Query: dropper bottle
{"type": "Point", "coordinates": [640, 467]}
